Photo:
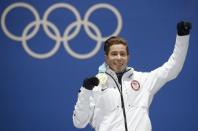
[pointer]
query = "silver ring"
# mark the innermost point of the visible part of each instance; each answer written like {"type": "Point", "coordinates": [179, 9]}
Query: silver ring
{"type": "Point", "coordinates": [56, 35]}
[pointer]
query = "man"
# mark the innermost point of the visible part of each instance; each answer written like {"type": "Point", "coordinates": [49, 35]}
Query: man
{"type": "Point", "coordinates": [118, 98]}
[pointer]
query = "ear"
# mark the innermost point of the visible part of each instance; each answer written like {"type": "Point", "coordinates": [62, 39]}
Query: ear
{"type": "Point", "coordinates": [105, 56]}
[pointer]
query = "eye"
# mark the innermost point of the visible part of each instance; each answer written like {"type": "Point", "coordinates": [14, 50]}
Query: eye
{"type": "Point", "coordinates": [123, 54]}
{"type": "Point", "coordinates": [114, 53]}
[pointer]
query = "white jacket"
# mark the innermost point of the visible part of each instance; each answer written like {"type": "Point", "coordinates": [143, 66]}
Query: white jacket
{"type": "Point", "coordinates": [102, 107]}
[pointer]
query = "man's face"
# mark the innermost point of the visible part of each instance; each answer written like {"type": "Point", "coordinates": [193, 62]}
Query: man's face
{"type": "Point", "coordinates": [117, 57]}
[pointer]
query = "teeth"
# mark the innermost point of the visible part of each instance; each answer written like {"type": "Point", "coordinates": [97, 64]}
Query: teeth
{"type": "Point", "coordinates": [119, 64]}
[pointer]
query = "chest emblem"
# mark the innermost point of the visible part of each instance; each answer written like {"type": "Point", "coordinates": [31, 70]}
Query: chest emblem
{"type": "Point", "coordinates": [135, 85]}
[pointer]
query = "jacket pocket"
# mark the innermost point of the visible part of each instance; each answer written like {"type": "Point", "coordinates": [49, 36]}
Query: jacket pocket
{"type": "Point", "coordinates": [111, 99]}
{"type": "Point", "coordinates": [142, 100]}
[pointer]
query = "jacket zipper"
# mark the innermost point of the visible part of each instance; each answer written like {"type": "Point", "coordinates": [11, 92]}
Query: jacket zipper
{"type": "Point", "coordinates": [123, 109]}
{"type": "Point", "coordinates": [122, 102]}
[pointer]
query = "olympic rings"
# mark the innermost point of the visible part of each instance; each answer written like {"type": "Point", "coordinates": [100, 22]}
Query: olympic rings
{"type": "Point", "coordinates": [56, 35]}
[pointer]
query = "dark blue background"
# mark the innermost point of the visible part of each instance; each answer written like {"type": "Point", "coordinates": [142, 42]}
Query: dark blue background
{"type": "Point", "coordinates": [40, 94]}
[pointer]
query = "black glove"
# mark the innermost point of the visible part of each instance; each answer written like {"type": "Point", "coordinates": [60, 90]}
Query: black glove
{"type": "Point", "coordinates": [89, 83]}
{"type": "Point", "coordinates": [183, 28]}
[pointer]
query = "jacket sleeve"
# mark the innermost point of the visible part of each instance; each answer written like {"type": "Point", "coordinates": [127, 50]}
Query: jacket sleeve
{"type": "Point", "coordinates": [83, 110]}
{"type": "Point", "coordinates": [170, 69]}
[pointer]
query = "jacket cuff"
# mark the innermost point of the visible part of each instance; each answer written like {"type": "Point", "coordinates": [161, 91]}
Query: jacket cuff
{"type": "Point", "coordinates": [84, 95]}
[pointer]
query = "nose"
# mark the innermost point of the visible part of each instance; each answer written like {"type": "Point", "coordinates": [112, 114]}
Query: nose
{"type": "Point", "coordinates": [119, 57]}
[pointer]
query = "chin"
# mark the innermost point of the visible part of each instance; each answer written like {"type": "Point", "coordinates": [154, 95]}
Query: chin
{"type": "Point", "coordinates": [118, 71]}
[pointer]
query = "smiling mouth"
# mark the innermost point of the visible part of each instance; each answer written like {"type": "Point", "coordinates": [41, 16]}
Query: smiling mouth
{"type": "Point", "coordinates": [118, 66]}
{"type": "Point", "coordinates": [118, 63]}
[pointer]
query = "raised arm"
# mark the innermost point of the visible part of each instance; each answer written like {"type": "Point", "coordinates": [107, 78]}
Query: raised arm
{"type": "Point", "coordinates": [173, 66]}
{"type": "Point", "coordinates": [84, 107]}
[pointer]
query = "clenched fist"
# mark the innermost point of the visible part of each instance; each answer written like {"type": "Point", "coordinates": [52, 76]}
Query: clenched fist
{"type": "Point", "coordinates": [90, 82]}
{"type": "Point", "coordinates": [183, 28]}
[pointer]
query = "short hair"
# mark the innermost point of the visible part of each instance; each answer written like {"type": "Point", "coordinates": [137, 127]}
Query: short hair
{"type": "Point", "coordinates": [114, 40]}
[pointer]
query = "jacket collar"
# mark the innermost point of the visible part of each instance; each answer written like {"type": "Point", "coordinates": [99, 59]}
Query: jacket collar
{"type": "Point", "coordinates": [105, 68]}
